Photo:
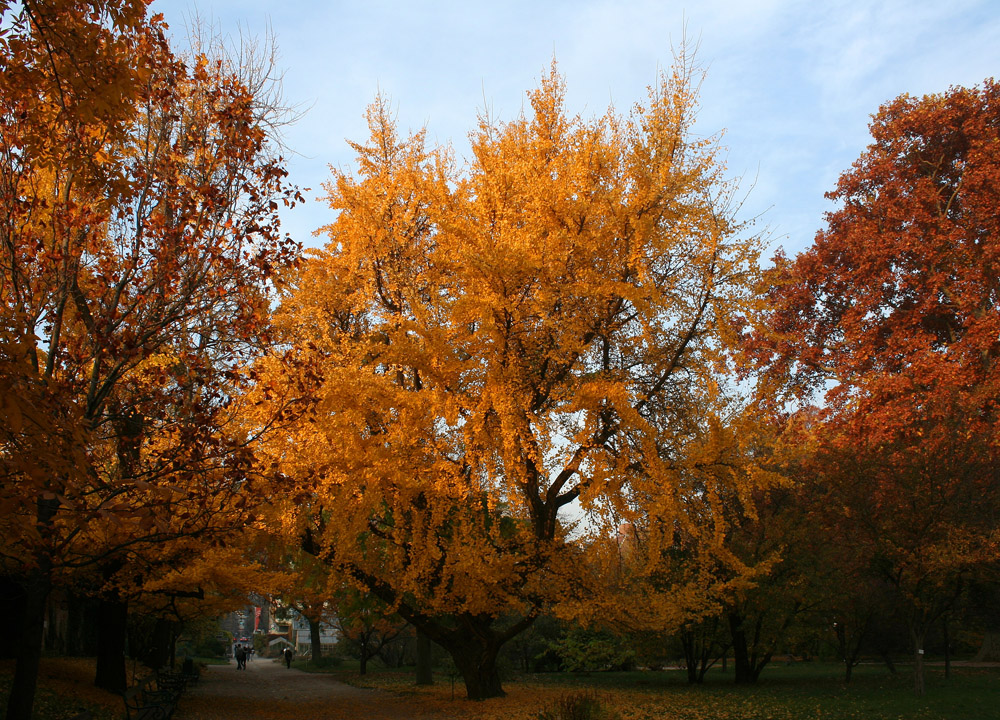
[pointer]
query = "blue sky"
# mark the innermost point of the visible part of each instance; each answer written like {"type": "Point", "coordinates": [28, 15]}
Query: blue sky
{"type": "Point", "coordinates": [791, 83]}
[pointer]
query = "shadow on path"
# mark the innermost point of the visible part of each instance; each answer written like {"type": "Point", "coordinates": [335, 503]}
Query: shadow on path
{"type": "Point", "coordinates": [267, 689]}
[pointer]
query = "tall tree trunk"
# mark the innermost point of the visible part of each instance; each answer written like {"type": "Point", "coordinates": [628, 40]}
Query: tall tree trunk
{"type": "Point", "coordinates": [425, 674]}
{"type": "Point", "coordinates": [36, 593]}
{"type": "Point", "coordinates": [947, 648]}
{"type": "Point", "coordinates": [314, 641]}
{"type": "Point", "coordinates": [690, 661]}
{"type": "Point", "coordinates": [741, 655]}
{"type": "Point", "coordinates": [29, 651]}
{"type": "Point", "coordinates": [919, 686]}
{"type": "Point", "coordinates": [112, 622]}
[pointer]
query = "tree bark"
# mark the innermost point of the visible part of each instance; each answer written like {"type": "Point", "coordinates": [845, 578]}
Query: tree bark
{"type": "Point", "coordinates": [425, 674]}
{"type": "Point", "coordinates": [947, 648]}
{"type": "Point", "coordinates": [919, 687]}
{"type": "Point", "coordinates": [314, 641]}
{"type": "Point", "coordinates": [477, 662]}
{"type": "Point", "coordinates": [694, 662]}
{"type": "Point", "coordinates": [741, 655]}
{"type": "Point", "coordinates": [29, 651]}
{"type": "Point", "coordinates": [112, 623]}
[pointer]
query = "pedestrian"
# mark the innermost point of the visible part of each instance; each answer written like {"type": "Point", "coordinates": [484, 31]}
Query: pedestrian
{"type": "Point", "coordinates": [241, 658]}
{"type": "Point", "coordinates": [288, 658]}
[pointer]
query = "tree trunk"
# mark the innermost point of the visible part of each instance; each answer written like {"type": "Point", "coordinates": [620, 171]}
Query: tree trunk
{"type": "Point", "coordinates": [112, 623]}
{"type": "Point", "coordinates": [314, 640]}
{"type": "Point", "coordinates": [887, 659]}
{"type": "Point", "coordinates": [919, 686]}
{"type": "Point", "coordinates": [29, 651]}
{"type": "Point", "coordinates": [425, 674]}
{"type": "Point", "coordinates": [947, 648]}
{"type": "Point", "coordinates": [690, 661]}
{"type": "Point", "coordinates": [741, 655]}
{"type": "Point", "coordinates": [364, 641]}
{"type": "Point", "coordinates": [477, 662]}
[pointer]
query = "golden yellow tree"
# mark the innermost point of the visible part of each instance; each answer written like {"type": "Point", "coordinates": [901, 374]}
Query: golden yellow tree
{"type": "Point", "coordinates": [487, 350]}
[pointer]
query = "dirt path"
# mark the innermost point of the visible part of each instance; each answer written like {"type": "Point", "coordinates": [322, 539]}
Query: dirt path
{"type": "Point", "coordinates": [267, 689]}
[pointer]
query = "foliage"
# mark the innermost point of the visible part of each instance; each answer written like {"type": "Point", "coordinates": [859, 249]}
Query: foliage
{"type": "Point", "coordinates": [484, 349]}
{"type": "Point", "coordinates": [892, 311]}
{"type": "Point", "coordinates": [582, 650]}
{"type": "Point", "coordinates": [140, 246]}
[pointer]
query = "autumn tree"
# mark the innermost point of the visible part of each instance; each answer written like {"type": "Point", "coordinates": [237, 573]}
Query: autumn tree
{"type": "Point", "coordinates": [892, 314]}
{"type": "Point", "coordinates": [487, 347]}
{"type": "Point", "coordinates": [139, 239]}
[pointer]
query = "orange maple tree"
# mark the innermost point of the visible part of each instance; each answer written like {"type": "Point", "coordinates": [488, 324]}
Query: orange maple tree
{"type": "Point", "coordinates": [139, 243]}
{"type": "Point", "coordinates": [485, 349]}
{"type": "Point", "coordinates": [893, 312]}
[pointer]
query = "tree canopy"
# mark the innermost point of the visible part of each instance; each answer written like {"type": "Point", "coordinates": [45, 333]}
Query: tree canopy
{"type": "Point", "coordinates": [485, 347]}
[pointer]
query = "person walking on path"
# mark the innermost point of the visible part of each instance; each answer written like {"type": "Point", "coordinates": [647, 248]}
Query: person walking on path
{"type": "Point", "coordinates": [241, 658]}
{"type": "Point", "coordinates": [288, 658]}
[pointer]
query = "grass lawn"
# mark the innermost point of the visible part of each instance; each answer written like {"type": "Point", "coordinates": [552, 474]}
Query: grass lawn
{"type": "Point", "coordinates": [796, 692]}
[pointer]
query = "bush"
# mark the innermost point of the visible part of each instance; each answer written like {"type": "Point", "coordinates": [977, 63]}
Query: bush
{"type": "Point", "coordinates": [587, 650]}
{"type": "Point", "coordinates": [578, 706]}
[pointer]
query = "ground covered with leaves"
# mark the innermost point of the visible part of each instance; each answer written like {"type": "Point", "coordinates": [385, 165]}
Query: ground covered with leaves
{"type": "Point", "coordinates": [268, 690]}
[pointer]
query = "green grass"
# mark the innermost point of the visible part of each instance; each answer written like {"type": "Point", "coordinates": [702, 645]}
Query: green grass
{"type": "Point", "coordinates": [796, 692]}
{"type": "Point", "coordinates": [812, 690]}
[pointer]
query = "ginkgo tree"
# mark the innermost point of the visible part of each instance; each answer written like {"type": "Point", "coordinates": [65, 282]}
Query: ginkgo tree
{"type": "Point", "coordinates": [483, 350]}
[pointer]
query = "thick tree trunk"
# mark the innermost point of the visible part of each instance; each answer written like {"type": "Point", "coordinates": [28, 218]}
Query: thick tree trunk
{"type": "Point", "coordinates": [112, 623]}
{"type": "Point", "coordinates": [477, 662]}
{"type": "Point", "coordinates": [314, 641]}
{"type": "Point", "coordinates": [425, 675]}
{"type": "Point", "coordinates": [29, 651]}
{"type": "Point", "coordinates": [741, 655]}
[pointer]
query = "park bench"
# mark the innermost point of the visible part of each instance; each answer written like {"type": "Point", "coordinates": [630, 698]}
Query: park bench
{"type": "Point", "coordinates": [157, 691]}
{"type": "Point", "coordinates": [138, 706]}
{"type": "Point", "coordinates": [171, 682]}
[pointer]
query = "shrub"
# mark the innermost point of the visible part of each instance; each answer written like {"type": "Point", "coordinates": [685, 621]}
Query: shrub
{"type": "Point", "coordinates": [578, 706]}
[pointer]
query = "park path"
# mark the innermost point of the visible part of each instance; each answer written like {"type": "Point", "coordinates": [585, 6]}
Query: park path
{"type": "Point", "coordinates": [268, 690]}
